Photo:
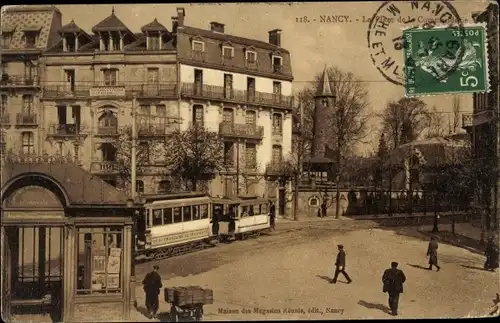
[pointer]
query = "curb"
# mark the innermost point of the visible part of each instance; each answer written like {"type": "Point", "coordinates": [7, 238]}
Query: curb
{"type": "Point", "coordinates": [451, 242]}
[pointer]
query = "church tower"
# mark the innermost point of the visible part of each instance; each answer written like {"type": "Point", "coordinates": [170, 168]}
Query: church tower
{"type": "Point", "coordinates": [324, 102]}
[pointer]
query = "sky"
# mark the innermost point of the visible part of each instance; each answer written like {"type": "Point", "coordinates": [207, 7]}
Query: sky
{"type": "Point", "coordinates": [313, 44]}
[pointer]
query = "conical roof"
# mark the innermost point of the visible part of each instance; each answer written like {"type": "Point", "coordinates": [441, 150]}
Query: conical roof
{"type": "Point", "coordinates": [72, 27]}
{"type": "Point", "coordinates": [111, 23]}
{"type": "Point", "coordinates": [324, 88]}
{"type": "Point", "coordinates": [153, 26]}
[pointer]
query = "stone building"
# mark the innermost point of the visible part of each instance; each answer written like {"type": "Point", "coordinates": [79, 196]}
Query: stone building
{"type": "Point", "coordinates": [83, 91]}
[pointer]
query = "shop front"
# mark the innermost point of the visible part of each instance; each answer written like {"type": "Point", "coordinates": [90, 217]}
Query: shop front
{"type": "Point", "coordinates": [66, 241]}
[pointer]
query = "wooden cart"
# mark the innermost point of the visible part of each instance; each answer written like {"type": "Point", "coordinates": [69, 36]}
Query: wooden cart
{"type": "Point", "coordinates": [186, 303]}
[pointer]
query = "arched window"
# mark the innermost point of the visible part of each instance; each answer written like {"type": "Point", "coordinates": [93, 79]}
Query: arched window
{"type": "Point", "coordinates": [314, 201]}
{"type": "Point", "coordinates": [139, 187]}
{"type": "Point", "coordinates": [164, 187]}
{"type": "Point", "coordinates": [277, 124]}
{"type": "Point", "coordinates": [108, 123]}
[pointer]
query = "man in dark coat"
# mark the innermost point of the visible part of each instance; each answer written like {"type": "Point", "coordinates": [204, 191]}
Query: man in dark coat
{"type": "Point", "coordinates": [491, 252]}
{"type": "Point", "coordinates": [340, 266]}
{"type": "Point", "coordinates": [432, 254]}
{"type": "Point", "coordinates": [393, 280]}
{"type": "Point", "coordinates": [152, 284]}
{"type": "Point", "coordinates": [272, 215]}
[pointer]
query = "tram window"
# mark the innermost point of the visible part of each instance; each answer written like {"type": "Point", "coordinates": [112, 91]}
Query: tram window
{"type": "Point", "coordinates": [148, 219]}
{"type": "Point", "coordinates": [263, 209]}
{"type": "Point", "coordinates": [167, 216]}
{"type": "Point", "coordinates": [186, 213]}
{"type": "Point", "coordinates": [204, 211]}
{"type": "Point", "coordinates": [232, 210]}
{"type": "Point", "coordinates": [257, 209]}
{"type": "Point", "coordinates": [244, 211]}
{"type": "Point", "coordinates": [196, 212]}
{"type": "Point", "coordinates": [250, 210]}
{"type": "Point", "coordinates": [157, 217]}
{"type": "Point", "coordinates": [177, 215]}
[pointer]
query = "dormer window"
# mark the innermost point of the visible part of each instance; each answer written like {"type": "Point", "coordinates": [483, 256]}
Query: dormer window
{"type": "Point", "coordinates": [277, 63]}
{"type": "Point", "coordinates": [251, 57]}
{"type": "Point", "coordinates": [30, 38]}
{"type": "Point", "coordinates": [7, 39]}
{"type": "Point", "coordinates": [198, 46]}
{"type": "Point", "coordinates": [153, 42]}
{"type": "Point", "coordinates": [227, 52]}
{"type": "Point", "coordinates": [116, 42]}
{"type": "Point", "coordinates": [70, 43]}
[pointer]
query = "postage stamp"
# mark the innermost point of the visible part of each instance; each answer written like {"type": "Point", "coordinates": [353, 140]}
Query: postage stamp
{"type": "Point", "coordinates": [445, 60]}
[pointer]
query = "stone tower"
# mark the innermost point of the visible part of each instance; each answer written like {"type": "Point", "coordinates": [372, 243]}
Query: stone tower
{"type": "Point", "coordinates": [324, 101]}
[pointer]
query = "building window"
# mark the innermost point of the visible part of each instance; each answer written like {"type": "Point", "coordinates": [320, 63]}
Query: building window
{"type": "Point", "coordinates": [250, 117]}
{"type": "Point", "coordinates": [198, 46]}
{"type": "Point", "coordinates": [108, 152]}
{"type": "Point", "coordinates": [100, 260]}
{"type": "Point", "coordinates": [277, 64]}
{"type": "Point", "coordinates": [144, 153]}
{"type": "Point", "coordinates": [3, 104]}
{"type": "Point", "coordinates": [251, 57]}
{"type": "Point", "coordinates": [227, 116]}
{"type": "Point", "coordinates": [7, 39]}
{"type": "Point", "coordinates": [198, 82]}
{"type": "Point", "coordinates": [198, 115]}
{"type": "Point", "coordinates": [314, 201]}
{"type": "Point", "coordinates": [28, 143]}
{"type": "Point", "coordinates": [277, 154]}
{"type": "Point", "coordinates": [154, 42]}
{"type": "Point", "coordinates": [227, 52]}
{"type": "Point", "coordinates": [250, 156]}
{"type": "Point", "coordinates": [228, 153]}
{"type": "Point", "coordinates": [108, 123]}
{"type": "Point", "coordinates": [116, 42]}
{"type": "Point", "coordinates": [161, 110]}
{"type": "Point", "coordinates": [110, 76]}
{"type": "Point", "coordinates": [27, 104]}
{"type": "Point", "coordinates": [228, 86]}
{"type": "Point", "coordinates": [139, 187]}
{"type": "Point", "coordinates": [30, 39]}
{"type": "Point", "coordinates": [144, 109]}
{"type": "Point", "coordinates": [250, 89]}
{"type": "Point", "coordinates": [164, 187]}
{"type": "Point", "coordinates": [277, 124]}
{"type": "Point", "coordinates": [30, 72]}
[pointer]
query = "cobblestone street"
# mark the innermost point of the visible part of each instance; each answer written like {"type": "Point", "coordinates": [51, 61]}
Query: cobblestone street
{"type": "Point", "coordinates": [288, 271]}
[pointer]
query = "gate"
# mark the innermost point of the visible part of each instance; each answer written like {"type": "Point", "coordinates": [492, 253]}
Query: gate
{"type": "Point", "coordinates": [37, 270]}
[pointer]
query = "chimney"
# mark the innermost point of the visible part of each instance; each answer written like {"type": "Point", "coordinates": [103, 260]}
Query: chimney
{"type": "Point", "coordinates": [275, 37]}
{"type": "Point", "coordinates": [180, 16]}
{"type": "Point", "coordinates": [217, 26]}
{"type": "Point", "coordinates": [175, 24]}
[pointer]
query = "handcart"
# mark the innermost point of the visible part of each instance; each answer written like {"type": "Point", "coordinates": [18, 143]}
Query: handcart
{"type": "Point", "coordinates": [186, 303]}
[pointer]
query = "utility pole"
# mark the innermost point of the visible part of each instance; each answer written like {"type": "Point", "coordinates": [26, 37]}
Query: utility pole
{"type": "Point", "coordinates": [338, 157]}
{"type": "Point", "coordinates": [134, 148]}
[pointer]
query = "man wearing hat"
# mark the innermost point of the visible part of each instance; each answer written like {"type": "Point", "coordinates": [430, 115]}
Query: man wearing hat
{"type": "Point", "coordinates": [152, 285]}
{"type": "Point", "coordinates": [393, 280]}
{"type": "Point", "coordinates": [340, 266]}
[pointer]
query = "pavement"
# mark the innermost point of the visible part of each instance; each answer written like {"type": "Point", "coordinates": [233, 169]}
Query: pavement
{"type": "Point", "coordinates": [286, 276]}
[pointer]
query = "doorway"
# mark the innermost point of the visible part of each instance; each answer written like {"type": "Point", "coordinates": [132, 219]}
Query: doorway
{"type": "Point", "coordinates": [35, 278]}
{"type": "Point", "coordinates": [281, 201]}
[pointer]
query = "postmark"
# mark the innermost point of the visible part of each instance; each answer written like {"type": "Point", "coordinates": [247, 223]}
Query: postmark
{"type": "Point", "coordinates": [385, 40]}
{"type": "Point", "coordinates": [438, 62]}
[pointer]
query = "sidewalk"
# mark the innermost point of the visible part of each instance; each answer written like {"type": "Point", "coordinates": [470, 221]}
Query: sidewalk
{"type": "Point", "coordinates": [466, 236]}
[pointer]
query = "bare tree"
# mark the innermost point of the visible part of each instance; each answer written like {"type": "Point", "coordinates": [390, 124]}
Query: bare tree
{"type": "Point", "coordinates": [435, 127]}
{"type": "Point", "coordinates": [195, 154]}
{"type": "Point", "coordinates": [404, 120]}
{"type": "Point", "coordinates": [456, 113]}
{"type": "Point", "coordinates": [148, 153]}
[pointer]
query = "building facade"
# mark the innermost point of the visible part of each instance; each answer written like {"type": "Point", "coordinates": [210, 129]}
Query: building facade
{"type": "Point", "coordinates": [82, 100]}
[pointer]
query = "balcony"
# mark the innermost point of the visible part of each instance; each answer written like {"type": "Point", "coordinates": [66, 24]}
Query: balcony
{"type": "Point", "coordinates": [19, 81]}
{"type": "Point", "coordinates": [152, 90]}
{"type": "Point", "coordinates": [105, 167]}
{"type": "Point", "coordinates": [5, 119]}
{"type": "Point", "coordinates": [239, 96]}
{"type": "Point", "coordinates": [65, 91]}
{"type": "Point", "coordinates": [26, 120]}
{"type": "Point", "coordinates": [236, 130]}
{"type": "Point", "coordinates": [66, 130]}
{"type": "Point", "coordinates": [107, 91]}
{"type": "Point", "coordinates": [467, 120]}
{"type": "Point", "coordinates": [275, 169]}
{"type": "Point", "coordinates": [107, 131]}
{"type": "Point", "coordinates": [154, 130]}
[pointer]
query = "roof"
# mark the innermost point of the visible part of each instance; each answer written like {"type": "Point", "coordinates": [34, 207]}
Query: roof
{"type": "Point", "coordinates": [153, 26]}
{"type": "Point", "coordinates": [72, 27]}
{"type": "Point", "coordinates": [111, 23]}
{"type": "Point", "coordinates": [324, 88]}
{"type": "Point", "coordinates": [81, 187]}
{"type": "Point", "coordinates": [226, 37]}
{"type": "Point", "coordinates": [30, 8]}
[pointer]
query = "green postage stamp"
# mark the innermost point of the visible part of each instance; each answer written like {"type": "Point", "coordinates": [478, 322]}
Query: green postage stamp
{"type": "Point", "coordinates": [445, 60]}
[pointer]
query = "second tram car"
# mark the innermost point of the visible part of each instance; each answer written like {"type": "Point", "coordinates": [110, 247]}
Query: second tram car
{"type": "Point", "coordinates": [174, 224]}
{"type": "Point", "coordinates": [240, 217]}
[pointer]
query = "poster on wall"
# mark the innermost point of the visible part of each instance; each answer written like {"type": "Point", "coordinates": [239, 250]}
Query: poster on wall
{"type": "Point", "coordinates": [114, 264]}
{"type": "Point", "coordinates": [113, 281]}
{"type": "Point", "coordinates": [98, 281]}
{"type": "Point", "coordinates": [98, 264]}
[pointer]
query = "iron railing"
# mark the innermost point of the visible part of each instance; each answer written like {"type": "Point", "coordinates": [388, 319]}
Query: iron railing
{"type": "Point", "coordinates": [152, 90]}
{"type": "Point", "coordinates": [5, 119]}
{"type": "Point", "coordinates": [70, 129]}
{"type": "Point", "coordinates": [19, 80]}
{"type": "Point", "coordinates": [223, 93]}
{"type": "Point", "coordinates": [241, 130]}
{"type": "Point", "coordinates": [105, 167]}
{"type": "Point", "coordinates": [107, 130]}
{"type": "Point", "coordinates": [26, 119]}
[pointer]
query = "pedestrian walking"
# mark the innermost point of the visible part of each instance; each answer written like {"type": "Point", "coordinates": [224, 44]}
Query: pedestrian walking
{"type": "Point", "coordinates": [491, 252]}
{"type": "Point", "coordinates": [432, 254]}
{"type": "Point", "coordinates": [152, 285]}
{"type": "Point", "coordinates": [340, 266]}
{"type": "Point", "coordinates": [272, 215]}
{"type": "Point", "coordinates": [393, 280]}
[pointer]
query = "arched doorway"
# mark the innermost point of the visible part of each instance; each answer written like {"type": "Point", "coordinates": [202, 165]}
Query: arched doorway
{"type": "Point", "coordinates": [33, 247]}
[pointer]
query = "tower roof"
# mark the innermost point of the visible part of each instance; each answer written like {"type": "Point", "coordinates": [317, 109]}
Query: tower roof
{"type": "Point", "coordinates": [324, 88]}
{"type": "Point", "coordinates": [111, 23]}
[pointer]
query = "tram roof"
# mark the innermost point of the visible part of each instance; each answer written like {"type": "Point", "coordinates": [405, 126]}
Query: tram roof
{"type": "Point", "coordinates": [239, 200]}
{"type": "Point", "coordinates": [173, 196]}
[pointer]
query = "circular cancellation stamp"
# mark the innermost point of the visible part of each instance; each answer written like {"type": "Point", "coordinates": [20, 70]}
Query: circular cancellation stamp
{"type": "Point", "coordinates": [385, 33]}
